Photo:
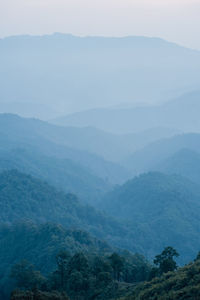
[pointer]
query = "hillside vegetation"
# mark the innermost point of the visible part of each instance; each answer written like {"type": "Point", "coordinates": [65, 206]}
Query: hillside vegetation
{"type": "Point", "coordinates": [26, 243]}
{"type": "Point", "coordinates": [180, 285]}
{"type": "Point", "coordinates": [160, 210]}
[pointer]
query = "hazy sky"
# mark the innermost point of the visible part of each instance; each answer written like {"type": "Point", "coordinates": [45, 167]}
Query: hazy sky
{"type": "Point", "coordinates": [174, 20]}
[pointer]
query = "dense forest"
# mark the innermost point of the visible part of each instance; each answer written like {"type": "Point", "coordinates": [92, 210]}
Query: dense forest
{"type": "Point", "coordinates": [111, 276]}
{"type": "Point", "coordinates": [46, 246]}
{"type": "Point", "coordinates": [82, 277]}
{"type": "Point", "coordinates": [159, 210]}
{"type": "Point", "coordinates": [46, 251]}
{"type": "Point", "coordinates": [179, 285]}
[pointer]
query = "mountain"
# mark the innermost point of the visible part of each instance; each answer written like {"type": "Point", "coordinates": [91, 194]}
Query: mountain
{"type": "Point", "coordinates": [184, 162]}
{"type": "Point", "coordinates": [160, 210]}
{"type": "Point", "coordinates": [64, 174]}
{"type": "Point", "coordinates": [155, 153]}
{"type": "Point", "coordinates": [113, 147]}
{"type": "Point", "coordinates": [88, 140]}
{"type": "Point", "coordinates": [76, 73]}
{"type": "Point", "coordinates": [23, 197]}
{"type": "Point", "coordinates": [25, 109]}
{"type": "Point", "coordinates": [180, 113]}
{"type": "Point", "coordinates": [37, 222]}
{"type": "Point", "coordinates": [49, 140]}
{"type": "Point", "coordinates": [27, 244]}
{"type": "Point", "coordinates": [39, 244]}
{"type": "Point", "coordinates": [179, 285]}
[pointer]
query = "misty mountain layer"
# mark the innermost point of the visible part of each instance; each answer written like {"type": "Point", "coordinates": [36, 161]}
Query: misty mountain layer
{"type": "Point", "coordinates": [63, 73]}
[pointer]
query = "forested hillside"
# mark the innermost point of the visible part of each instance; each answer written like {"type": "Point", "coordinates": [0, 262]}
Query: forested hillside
{"type": "Point", "coordinates": [160, 210]}
{"type": "Point", "coordinates": [24, 197]}
{"type": "Point", "coordinates": [26, 243]}
{"type": "Point", "coordinates": [180, 285]}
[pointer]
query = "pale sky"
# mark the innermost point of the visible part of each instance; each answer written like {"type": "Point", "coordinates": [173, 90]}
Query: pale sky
{"type": "Point", "coordinates": [174, 20]}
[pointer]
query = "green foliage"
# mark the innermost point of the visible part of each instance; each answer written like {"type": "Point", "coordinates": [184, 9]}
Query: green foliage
{"type": "Point", "coordinates": [117, 264]}
{"type": "Point", "coordinates": [27, 276]}
{"type": "Point", "coordinates": [80, 276]}
{"type": "Point", "coordinates": [165, 260]}
{"type": "Point", "coordinates": [52, 247]}
{"type": "Point", "coordinates": [179, 285]}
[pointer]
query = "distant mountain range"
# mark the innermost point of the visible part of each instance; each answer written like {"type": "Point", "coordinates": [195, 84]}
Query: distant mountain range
{"type": "Point", "coordinates": [48, 140]}
{"type": "Point", "coordinates": [184, 162]}
{"type": "Point", "coordinates": [157, 152]}
{"type": "Point", "coordinates": [72, 73]}
{"type": "Point", "coordinates": [180, 113]}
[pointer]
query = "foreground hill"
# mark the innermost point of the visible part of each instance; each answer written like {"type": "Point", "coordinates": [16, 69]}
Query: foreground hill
{"type": "Point", "coordinates": [119, 65]}
{"type": "Point", "coordinates": [161, 210]}
{"type": "Point", "coordinates": [40, 245]}
{"type": "Point", "coordinates": [180, 285]}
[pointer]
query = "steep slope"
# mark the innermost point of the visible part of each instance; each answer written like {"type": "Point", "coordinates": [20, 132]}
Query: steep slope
{"type": "Point", "coordinates": [161, 210]}
{"type": "Point", "coordinates": [91, 72]}
{"type": "Point", "coordinates": [180, 113]}
{"type": "Point", "coordinates": [184, 162]}
{"type": "Point", "coordinates": [150, 156]}
{"type": "Point", "coordinates": [180, 285]}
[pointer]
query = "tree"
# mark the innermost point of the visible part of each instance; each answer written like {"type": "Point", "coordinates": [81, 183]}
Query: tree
{"type": "Point", "coordinates": [166, 261]}
{"type": "Point", "coordinates": [26, 276]}
{"type": "Point", "coordinates": [101, 265]}
{"type": "Point", "coordinates": [62, 260]}
{"type": "Point", "coordinates": [79, 263]}
{"type": "Point", "coordinates": [117, 263]}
